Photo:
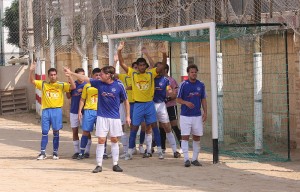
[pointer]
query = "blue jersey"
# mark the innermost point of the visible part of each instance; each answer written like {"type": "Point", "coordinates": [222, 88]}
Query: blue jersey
{"type": "Point", "coordinates": [160, 93]}
{"type": "Point", "coordinates": [75, 97]}
{"type": "Point", "coordinates": [194, 93]}
{"type": "Point", "coordinates": [109, 98]}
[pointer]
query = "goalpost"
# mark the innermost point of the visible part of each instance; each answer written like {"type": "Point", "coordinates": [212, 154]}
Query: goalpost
{"type": "Point", "coordinates": [211, 26]}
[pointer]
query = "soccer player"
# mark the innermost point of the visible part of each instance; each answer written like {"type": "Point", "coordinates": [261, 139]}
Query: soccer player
{"type": "Point", "coordinates": [88, 102]}
{"type": "Point", "coordinates": [172, 107]}
{"type": "Point", "coordinates": [52, 102]}
{"type": "Point", "coordinates": [75, 96]}
{"type": "Point", "coordinates": [191, 96]}
{"type": "Point", "coordinates": [143, 92]}
{"type": "Point", "coordinates": [110, 94]}
{"type": "Point", "coordinates": [160, 95]}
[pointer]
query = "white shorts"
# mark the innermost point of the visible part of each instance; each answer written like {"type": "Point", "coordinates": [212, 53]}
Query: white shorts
{"type": "Point", "coordinates": [105, 125]}
{"type": "Point", "coordinates": [161, 112]}
{"type": "Point", "coordinates": [191, 125]}
{"type": "Point", "coordinates": [122, 113]}
{"type": "Point", "coordinates": [74, 121]}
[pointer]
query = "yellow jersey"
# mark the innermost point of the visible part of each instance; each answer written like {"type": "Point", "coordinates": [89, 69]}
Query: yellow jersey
{"type": "Point", "coordinates": [52, 93]}
{"type": "Point", "coordinates": [126, 80]}
{"type": "Point", "coordinates": [90, 94]}
{"type": "Point", "coordinates": [142, 84]}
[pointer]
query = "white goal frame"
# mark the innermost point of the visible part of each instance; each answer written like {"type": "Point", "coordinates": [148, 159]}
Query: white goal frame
{"type": "Point", "coordinates": [213, 65]}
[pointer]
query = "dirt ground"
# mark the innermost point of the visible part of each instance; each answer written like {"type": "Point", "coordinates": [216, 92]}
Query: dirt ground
{"type": "Point", "coordinates": [20, 171]}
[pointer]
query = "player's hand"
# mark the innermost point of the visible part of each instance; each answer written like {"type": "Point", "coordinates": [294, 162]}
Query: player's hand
{"type": "Point", "coordinates": [144, 50]}
{"type": "Point", "coordinates": [204, 117]}
{"type": "Point", "coordinates": [121, 46]}
{"type": "Point", "coordinates": [116, 58]}
{"type": "Point", "coordinates": [128, 121]}
{"type": "Point", "coordinates": [162, 48]}
{"type": "Point", "coordinates": [32, 66]}
{"type": "Point", "coordinates": [67, 71]}
{"type": "Point", "coordinates": [129, 88]}
{"type": "Point", "coordinates": [79, 116]}
{"type": "Point", "coordinates": [190, 105]}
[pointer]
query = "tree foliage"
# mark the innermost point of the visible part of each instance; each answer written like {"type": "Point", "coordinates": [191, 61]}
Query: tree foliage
{"type": "Point", "coordinates": [11, 21]}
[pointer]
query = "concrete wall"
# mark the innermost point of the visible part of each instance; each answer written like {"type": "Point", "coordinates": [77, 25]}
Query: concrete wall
{"type": "Point", "coordinates": [16, 76]}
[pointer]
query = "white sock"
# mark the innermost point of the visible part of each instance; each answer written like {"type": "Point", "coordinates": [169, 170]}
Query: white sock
{"type": "Point", "coordinates": [125, 142]}
{"type": "Point", "coordinates": [148, 139]}
{"type": "Point", "coordinates": [172, 141]}
{"type": "Point", "coordinates": [76, 146]}
{"type": "Point", "coordinates": [88, 146]}
{"type": "Point", "coordinates": [196, 150]}
{"type": "Point", "coordinates": [99, 154]}
{"type": "Point", "coordinates": [185, 149]}
{"type": "Point", "coordinates": [115, 153]}
{"type": "Point", "coordinates": [159, 150]}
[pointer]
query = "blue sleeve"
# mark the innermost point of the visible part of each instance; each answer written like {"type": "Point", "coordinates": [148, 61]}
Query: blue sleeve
{"type": "Point", "coordinates": [123, 95]}
{"type": "Point", "coordinates": [203, 94]}
{"type": "Point", "coordinates": [95, 82]}
{"type": "Point", "coordinates": [180, 90]}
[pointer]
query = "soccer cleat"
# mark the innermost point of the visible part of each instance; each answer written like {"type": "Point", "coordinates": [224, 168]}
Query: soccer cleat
{"type": "Point", "coordinates": [141, 149]}
{"type": "Point", "coordinates": [160, 155]}
{"type": "Point", "coordinates": [187, 163]}
{"type": "Point", "coordinates": [75, 156]}
{"type": "Point", "coordinates": [105, 156]}
{"type": "Point", "coordinates": [86, 155]}
{"type": "Point", "coordinates": [55, 156]}
{"type": "Point", "coordinates": [147, 155]}
{"type": "Point", "coordinates": [134, 151]}
{"type": "Point", "coordinates": [128, 156]}
{"type": "Point", "coordinates": [97, 169]}
{"type": "Point", "coordinates": [180, 151]}
{"type": "Point", "coordinates": [80, 156]}
{"type": "Point", "coordinates": [163, 151]}
{"type": "Point", "coordinates": [117, 168]}
{"type": "Point", "coordinates": [196, 163]}
{"type": "Point", "coordinates": [177, 154]}
{"type": "Point", "coordinates": [41, 157]}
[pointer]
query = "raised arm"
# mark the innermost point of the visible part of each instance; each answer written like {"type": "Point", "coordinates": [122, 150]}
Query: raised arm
{"type": "Point", "coordinates": [121, 60]}
{"type": "Point", "coordinates": [72, 82]}
{"type": "Point", "coordinates": [161, 67]}
{"type": "Point", "coordinates": [151, 62]}
{"type": "Point", "coordinates": [31, 73]}
{"type": "Point", "coordinates": [69, 73]}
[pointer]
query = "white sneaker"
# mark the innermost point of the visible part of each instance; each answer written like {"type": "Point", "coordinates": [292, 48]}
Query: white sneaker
{"type": "Point", "coordinates": [122, 156]}
{"type": "Point", "coordinates": [180, 151]}
{"type": "Point", "coordinates": [128, 156]}
{"type": "Point", "coordinates": [41, 157]}
{"type": "Point", "coordinates": [141, 149]}
{"type": "Point", "coordinates": [134, 151]}
{"type": "Point", "coordinates": [160, 155]}
{"type": "Point", "coordinates": [55, 157]}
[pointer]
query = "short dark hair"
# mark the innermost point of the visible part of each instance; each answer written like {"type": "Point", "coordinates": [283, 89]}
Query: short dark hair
{"type": "Point", "coordinates": [51, 70]}
{"type": "Point", "coordinates": [79, 70]}
{"type": "Point", "coordinates": [133, 64]}
{"type": "Point", "coordinates": [142, 60]}
{"type": "Point", "coordinates": [109, 69]}
{"type": "Point", "coordinates": [96, 70]}
{"type": "Point", "coordinates": [192, 66]}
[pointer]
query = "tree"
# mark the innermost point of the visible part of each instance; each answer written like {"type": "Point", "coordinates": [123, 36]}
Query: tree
{"type": "Point", "coordinates": [11, 21]}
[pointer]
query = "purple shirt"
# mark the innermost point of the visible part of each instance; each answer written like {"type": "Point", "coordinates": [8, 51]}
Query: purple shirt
{"type": "Point", "coordinates": [109, 98]}
{"type": "Point", "coordinates": [194, 93]}
{"type": "Point", "coordinates": [174, 87]}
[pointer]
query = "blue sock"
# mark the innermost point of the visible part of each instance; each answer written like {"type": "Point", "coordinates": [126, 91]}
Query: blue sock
{"type": "Point", "coordinates": [142, 137]}
{"type": "Point", "coordinates": [55, 141]}
{"type": "Point", "coordinates": [132, 138]}
{"type": "Point", "coordinates": [156, 136]}
{"type": "Point", "coordinates": [83, 143]}
{"type": "Point", "coordinates": [44, 143]}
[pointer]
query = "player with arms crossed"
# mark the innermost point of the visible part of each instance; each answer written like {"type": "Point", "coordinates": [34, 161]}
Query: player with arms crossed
{"type": "Point", "coordinates": [191, 96]}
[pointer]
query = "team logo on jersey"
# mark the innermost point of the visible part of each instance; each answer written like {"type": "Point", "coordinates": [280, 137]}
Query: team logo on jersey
{"type": "Point", "coordinates": [113, 90]}
{"type": "Point", "coordinates": [198, 88]}
{"type": "Point", "coordinates": [160, 84]}
{"type": "Point", "coordinates": [52, 93]}
{"type": "Point", "coordinates": [142, 85]}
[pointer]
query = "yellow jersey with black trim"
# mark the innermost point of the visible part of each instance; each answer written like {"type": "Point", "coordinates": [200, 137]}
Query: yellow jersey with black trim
{"type": "Point", "coordinates": [90, 94]}
{"type": "Point", "coordinates": [52, 93]}
{"type": "Point", "coordinates": [142, 84]}
{"type": "Point", "coordinates": [127, 82]}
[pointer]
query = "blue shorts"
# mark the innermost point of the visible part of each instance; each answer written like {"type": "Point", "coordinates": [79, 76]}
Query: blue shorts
{"type": "Point", "coordinates": [131, 110]}
{"type": "Point", "coordinates": [52, 116]}
{"type": "Point", "coordinates": [89, 119]}
{"type": "Point", "coordinates": [143, 111]}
